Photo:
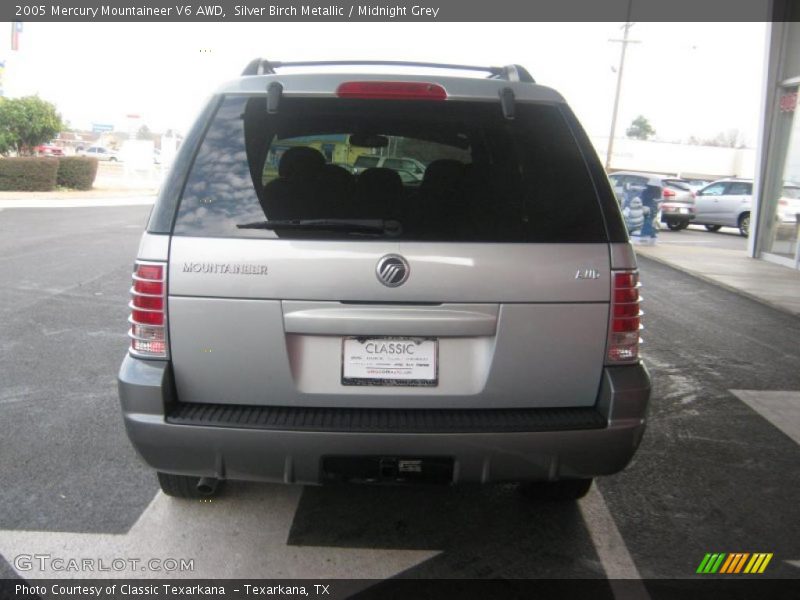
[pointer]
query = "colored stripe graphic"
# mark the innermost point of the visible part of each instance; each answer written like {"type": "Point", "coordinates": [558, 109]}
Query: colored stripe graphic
{"type": "Point", "coordinates": [727, 564]}
{"type": "Point", "coordinates": [734, 563]}
{"type": "Point", "coordinates": [741, 562]}
{"type": "Point", "coordinates": [711, 563]}
{"type": "Point", "coordinates": [758, 563]}
{"type": "Point", "coordinates": [718, 562]}
{"type": "Point", "coordinates": [703, 563]}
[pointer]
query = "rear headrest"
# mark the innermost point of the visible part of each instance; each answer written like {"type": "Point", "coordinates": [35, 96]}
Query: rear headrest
{"type": "Point", "coordinates": [377, 194]}
{"type": "Point", "coordinates": [276, 200]}
{"type": "Point", "coordinates": [379, 180]}
{"type": "Point", "coordinates": [443, 173]}
{"type": "Point", "coordinates": [336, 184]}
{"type": "Point", "coordinates": [338, 176]}
{"type": "Point", "coordinates": [300, 161]}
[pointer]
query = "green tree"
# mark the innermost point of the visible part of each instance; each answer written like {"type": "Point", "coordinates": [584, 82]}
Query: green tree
{"type": "Point", "coordinates": [26, 123]}
{"type": "Point", "coordinates": [640, 129]}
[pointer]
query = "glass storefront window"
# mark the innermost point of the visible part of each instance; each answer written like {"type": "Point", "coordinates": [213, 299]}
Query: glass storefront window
{"type": "Point", "coordinates": [782, 228]}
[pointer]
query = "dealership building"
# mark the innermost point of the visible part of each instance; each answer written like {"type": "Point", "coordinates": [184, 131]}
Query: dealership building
{"type": "Point", "coordinates": [775, 224]}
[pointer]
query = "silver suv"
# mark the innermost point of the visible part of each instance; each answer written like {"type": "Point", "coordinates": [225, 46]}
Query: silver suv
{"type": "Point", "coordinates": [293, 322]}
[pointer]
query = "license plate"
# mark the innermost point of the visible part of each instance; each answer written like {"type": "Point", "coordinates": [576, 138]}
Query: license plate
{"type": "Point", "coordinates": [389, 361]}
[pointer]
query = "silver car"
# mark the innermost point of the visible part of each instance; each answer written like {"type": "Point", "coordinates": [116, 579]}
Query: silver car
{"type": "Point", "coordinates": [100, 153]}
{"type": "Point", "coordinates": [725, 203]}
{"type": "Point", "coordinates": [293, 322]}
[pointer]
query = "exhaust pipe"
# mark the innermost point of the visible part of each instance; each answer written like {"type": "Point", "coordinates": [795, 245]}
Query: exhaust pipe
{"type": "Point", "coordinates": [207, 485]}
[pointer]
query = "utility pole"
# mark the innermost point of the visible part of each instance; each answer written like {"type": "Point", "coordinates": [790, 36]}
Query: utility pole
{"type": "Point", "coordinates": [624, 41]}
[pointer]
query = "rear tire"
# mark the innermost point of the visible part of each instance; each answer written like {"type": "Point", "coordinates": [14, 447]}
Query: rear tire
{"type": "Point", "coordinates": [713, 228]}
{"type": "Point", "coordinates": [564, 490]}
{"type": "Point", "coordinates": [182, 486]}
{"type": "Point", "coordinates": [744, 224]}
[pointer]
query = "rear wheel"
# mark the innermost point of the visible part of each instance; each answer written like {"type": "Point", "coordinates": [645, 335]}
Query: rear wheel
{"type": "Point", "coordinates": [713, 227]}
{"type": "Point", "coordinates": [182, 486]}
{"type": "Point", "coordinates": [556, 491]}
{"type": "Point", "coordinates": [744, 224]}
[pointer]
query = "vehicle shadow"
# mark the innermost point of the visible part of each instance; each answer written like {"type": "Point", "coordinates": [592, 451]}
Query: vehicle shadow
{"type": "Point", "coordinates": [482, 531]}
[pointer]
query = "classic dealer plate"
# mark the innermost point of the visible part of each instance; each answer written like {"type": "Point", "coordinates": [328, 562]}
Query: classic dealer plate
{"type": "Point", "coordinates": [389, 361]}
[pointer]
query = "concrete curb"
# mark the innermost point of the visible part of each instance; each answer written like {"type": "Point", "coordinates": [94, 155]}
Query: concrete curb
{"type": "Point", "coordinates": [721, 284]}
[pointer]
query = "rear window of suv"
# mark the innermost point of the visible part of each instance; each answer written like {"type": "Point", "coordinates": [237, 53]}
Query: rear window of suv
{"type": "Point", "coordinates": [678, 184]}
{"type": "Point", "coordinates": [485, 179]}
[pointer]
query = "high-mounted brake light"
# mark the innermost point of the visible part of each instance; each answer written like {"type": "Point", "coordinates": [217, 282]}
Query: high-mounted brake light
{"type": "Point", "coordinates": [391, 90]}
{"type": "Point", "coordinates": [625, 320]}
{"type": "Point", "coordinates": [148, 310]}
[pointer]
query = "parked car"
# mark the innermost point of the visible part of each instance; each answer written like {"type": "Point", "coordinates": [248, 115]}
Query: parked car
{"type": "Point", "coordinates": [48, 150]}
{"type": "Point", "coordinates": [676, 206]}
{"type": "Point", "coordinates": [696, 183]}
{"type": "Point", "coordinates": [410, 169]}
{"type": "Point", "coordinates": [725, 203]}
{"type": "Point", "coordinates": [100, 153]}
{"type": "Point", "coordinates": [789, 204]}
{"type": "Point", "coordinates": [481, 326]}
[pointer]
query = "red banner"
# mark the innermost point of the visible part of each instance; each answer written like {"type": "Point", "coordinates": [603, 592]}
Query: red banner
{"type": "Point", "coordinates": [16, 29]}
{"type": "Point", "coordinates": [788, 102]}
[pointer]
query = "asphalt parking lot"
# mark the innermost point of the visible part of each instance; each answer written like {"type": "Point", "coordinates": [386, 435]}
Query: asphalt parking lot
{"type": "Point", "coordinates": [727, 237]}
{"type": "Point", "coordinates": [716, 472]}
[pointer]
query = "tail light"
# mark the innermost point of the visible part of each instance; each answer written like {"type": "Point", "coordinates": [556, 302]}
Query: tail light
{"type": "Point", "coordinates": [391, 90]}
{"type": "Point", "coordinates": [149, 310]}
{"type": "Point", "coordinates": [667, 193]}
{"type": "Point", "coordinates": [783, 202]}
{"type": "Point", "coordinates": [625, 320]}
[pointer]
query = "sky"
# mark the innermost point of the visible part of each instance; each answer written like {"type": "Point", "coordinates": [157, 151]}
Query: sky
{"type": "Point", "coordinates": [687, 79]}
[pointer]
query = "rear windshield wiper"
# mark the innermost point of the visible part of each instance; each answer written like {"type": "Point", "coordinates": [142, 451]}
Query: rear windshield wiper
{"type": "Point", "coordinates": [366, 226]}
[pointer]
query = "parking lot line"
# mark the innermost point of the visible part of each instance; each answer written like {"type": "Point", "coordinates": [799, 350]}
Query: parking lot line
{"type": "Point", "coordinates": [782, 409]}
{"type": "Point", "coordinates": [610, 547]}
{"type": "Point", "coordinates": [249, 527]}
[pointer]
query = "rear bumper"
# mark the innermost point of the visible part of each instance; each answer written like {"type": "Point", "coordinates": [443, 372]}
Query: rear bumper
{"type": "Point", "coordinates": [294, 454]}
{"type": "Point", "coordinates": [677, 217]}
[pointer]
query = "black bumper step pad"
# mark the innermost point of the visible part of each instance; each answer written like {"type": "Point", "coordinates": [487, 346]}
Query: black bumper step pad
{"type": "Point", "coordinates": [386, 420]}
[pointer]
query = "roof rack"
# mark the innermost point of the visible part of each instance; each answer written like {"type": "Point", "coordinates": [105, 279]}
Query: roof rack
{"type": "Point", "coordinates": [261, 66]}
